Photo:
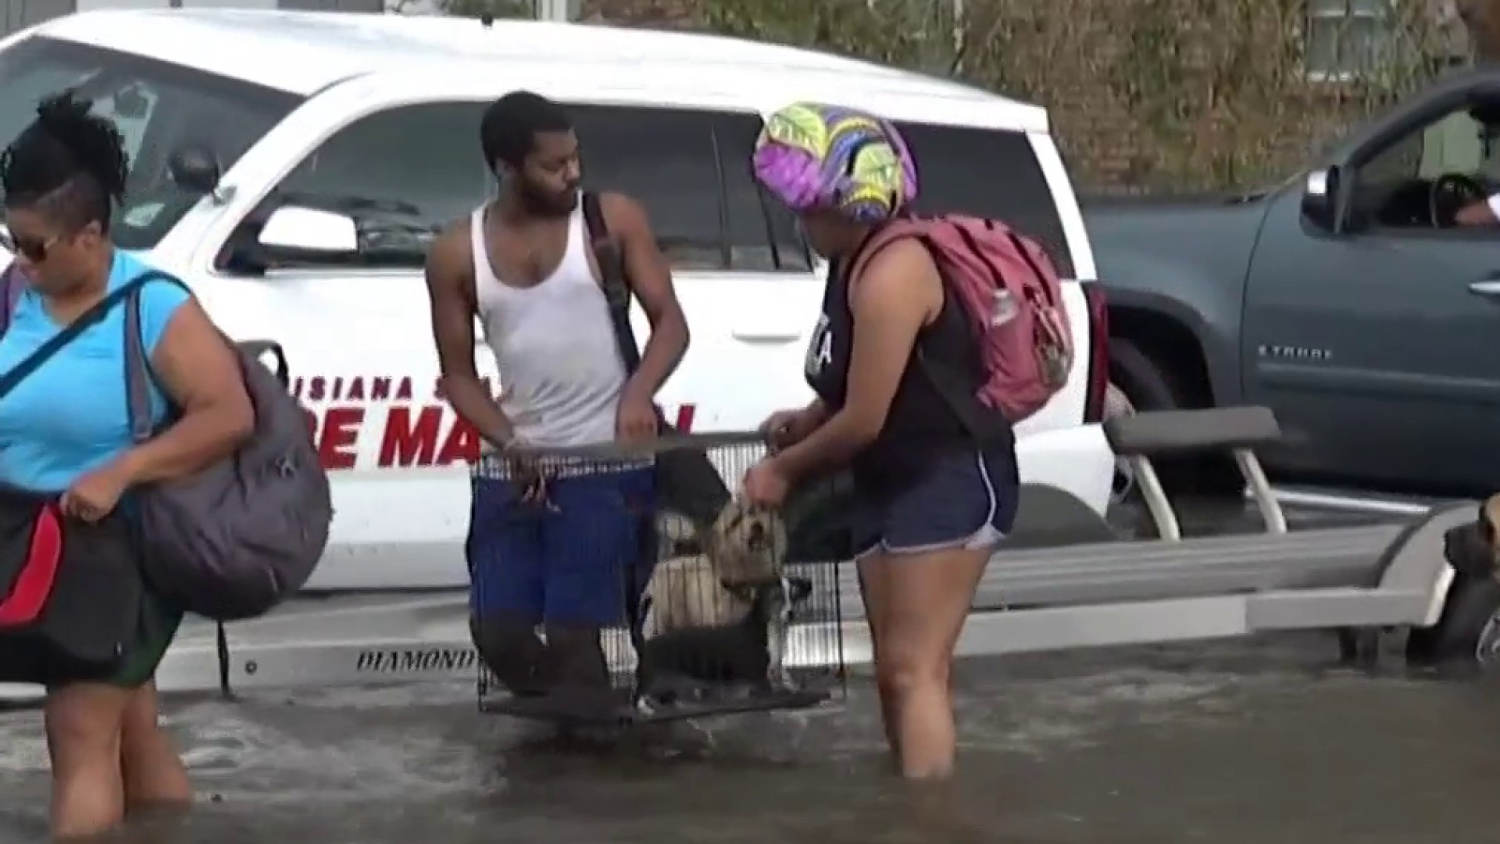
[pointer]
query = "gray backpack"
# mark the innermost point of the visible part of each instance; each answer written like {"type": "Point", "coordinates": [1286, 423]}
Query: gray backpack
{"type": "Point", "coordinates": [237, 538]}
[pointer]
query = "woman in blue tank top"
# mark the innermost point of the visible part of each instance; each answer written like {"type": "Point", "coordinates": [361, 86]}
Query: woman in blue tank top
{"type": "Point", "coordinates": [65, 429]}
{"type": "Point", "coordinates": [933, 495]}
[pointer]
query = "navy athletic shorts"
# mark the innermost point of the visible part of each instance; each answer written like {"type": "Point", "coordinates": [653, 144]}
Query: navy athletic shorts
{"type": "Point", "coordinates": [565, 560]}
{"type": "Point", "coordinates": [962, 499]}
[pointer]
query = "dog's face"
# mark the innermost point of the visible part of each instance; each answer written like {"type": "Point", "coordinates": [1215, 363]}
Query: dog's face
{"type": "Point", "coordinates": [748, 543]}
{"type": "Point", "coordinates": [676, 536]}
{"type": "Point", "coordinates": [1474, 549]}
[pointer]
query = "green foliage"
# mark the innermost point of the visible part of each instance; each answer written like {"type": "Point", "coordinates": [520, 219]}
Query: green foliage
{"type": "Point", "coordinates": [1186, 94]}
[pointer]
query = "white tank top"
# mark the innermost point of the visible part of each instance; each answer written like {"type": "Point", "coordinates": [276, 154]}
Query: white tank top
{"type": "Point", "coordinates": [554, 345]}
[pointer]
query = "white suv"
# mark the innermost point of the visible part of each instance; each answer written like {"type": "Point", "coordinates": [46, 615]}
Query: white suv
{"type": "Point", "coordinates": [293, 168]}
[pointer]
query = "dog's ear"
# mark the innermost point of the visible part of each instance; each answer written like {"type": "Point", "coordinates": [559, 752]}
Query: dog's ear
{"type": "Point", "coordinates": [800, 588]}
{"type": "Point", "coordinates": [1489, 522]}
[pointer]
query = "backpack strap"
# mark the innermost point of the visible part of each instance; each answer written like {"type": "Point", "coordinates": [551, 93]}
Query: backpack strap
{"type": "Point", "coordinates": [948, 382]}
{"type": "Point", "coordinates": [613, 281]}
{"type": "Point", "coordinates": [139, 376]}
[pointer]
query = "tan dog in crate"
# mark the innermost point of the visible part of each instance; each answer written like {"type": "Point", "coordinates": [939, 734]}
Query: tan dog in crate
{"type": "Point", "coordinates": [689, 586]}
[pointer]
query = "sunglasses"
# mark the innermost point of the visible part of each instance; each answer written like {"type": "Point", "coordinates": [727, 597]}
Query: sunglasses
{"type": "Point", "coordinates": [32, 250]}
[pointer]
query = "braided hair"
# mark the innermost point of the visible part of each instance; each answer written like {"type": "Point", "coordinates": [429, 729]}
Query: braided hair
{"type": "Point", "coordinates": [68, 164]}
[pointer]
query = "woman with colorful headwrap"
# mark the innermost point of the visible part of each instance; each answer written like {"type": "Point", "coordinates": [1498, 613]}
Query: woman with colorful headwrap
{"type": "Point", "coordinates": [931, 499]}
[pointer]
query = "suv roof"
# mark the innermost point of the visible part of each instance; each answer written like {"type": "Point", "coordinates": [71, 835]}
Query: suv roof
{"type": "Point", "coordinates": [303, 52]}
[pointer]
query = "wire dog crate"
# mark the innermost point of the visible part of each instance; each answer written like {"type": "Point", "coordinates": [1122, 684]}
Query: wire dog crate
{"type": "Point", "coordinates": [709, 609]}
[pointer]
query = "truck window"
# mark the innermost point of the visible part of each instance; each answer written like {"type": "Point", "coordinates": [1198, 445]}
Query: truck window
{"type": "Point", "coordinates": [988, 173]}
{"type": "Point", "coordinates": [763, 233]}
{"type": "Point", "coordinates": [691, 170]}
{"type": "Point", "coordinates": [157, 107]}
{"type": "Point", "coordinates": [664, 158]}
{"type": "Point", "coordinates": [1418, 179]}
{"type": "Point", "coordinates": [403, 174]}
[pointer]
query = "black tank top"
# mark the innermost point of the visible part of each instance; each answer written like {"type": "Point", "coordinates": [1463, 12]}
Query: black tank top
{"type": "Point", "coordinates": [920, 423]}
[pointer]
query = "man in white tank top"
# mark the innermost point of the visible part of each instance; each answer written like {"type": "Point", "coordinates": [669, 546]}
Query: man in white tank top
{"type": "Point", "coordinates": [562, 554]}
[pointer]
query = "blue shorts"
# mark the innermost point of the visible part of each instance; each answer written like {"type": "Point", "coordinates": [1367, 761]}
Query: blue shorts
{"type": "Point", "coordinates": [963, 499]}
{"type": "Point", "coordinates": [568, 560]}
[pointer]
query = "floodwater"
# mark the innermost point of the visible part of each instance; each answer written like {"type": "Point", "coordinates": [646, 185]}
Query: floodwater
{"type": "Point", "coordinates": [1263, 740]}
{"type": "Point", "coordinates": [1245, 741]}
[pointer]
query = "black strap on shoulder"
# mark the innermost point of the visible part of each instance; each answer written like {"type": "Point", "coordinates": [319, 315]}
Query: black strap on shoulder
{"type": "Point", "coordinates": [138, 374]}
{"type": "Point", "coordinates": [616, 287]}
{"type": "Point", "coordinates": [88, 318]}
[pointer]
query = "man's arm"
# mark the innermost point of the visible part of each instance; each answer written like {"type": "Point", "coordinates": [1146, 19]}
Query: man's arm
{"type": "Point", "coordinates": [650, 278]}
{"type": "Point", "coordinates": [451, 294]}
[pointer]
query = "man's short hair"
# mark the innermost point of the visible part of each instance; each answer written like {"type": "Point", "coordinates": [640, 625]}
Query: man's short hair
{"type": "Point", "coordinates": [508, 131]}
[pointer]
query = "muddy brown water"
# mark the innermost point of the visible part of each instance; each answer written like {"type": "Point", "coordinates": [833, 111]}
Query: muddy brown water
{"type": "Point", "coordinates": [1243, 741]}
{"type": "Point", "coordinates": [1262, 740]}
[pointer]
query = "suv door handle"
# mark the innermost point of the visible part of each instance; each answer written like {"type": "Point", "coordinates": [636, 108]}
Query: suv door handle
{"type": "Point", "coordinates": [1489, 288]}
{"type": "Point", "coordinates": [765, 335]}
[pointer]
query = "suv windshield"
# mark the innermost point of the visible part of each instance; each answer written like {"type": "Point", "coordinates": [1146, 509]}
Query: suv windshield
{"type": "Point", "coordinates": [158, 108]}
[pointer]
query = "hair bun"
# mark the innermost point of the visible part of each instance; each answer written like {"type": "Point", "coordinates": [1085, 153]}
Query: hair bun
{"type": "Point", "coordinates": [93, 142]}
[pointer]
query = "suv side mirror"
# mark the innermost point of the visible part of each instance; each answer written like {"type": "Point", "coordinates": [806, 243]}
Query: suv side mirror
{"type": "Point", "coordinates": [195, 168]}
{"type": "Point", "coordinates": [297, 229]}
{"type": "Point", "coordinates": [1320, 203]}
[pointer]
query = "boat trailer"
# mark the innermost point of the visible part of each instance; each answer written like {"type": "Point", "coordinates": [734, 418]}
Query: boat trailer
{"type": "Point", "coordinates": [1061, 580]}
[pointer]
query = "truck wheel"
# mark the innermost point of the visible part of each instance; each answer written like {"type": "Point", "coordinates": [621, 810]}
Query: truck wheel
{"type": "Point", "coordinates": [1146, 386]}
{"type": "Point", "coordinates": [1466, 638]}
{"type": "Point", "coordinates": [1139, 378]}
{"type": "Point", "coordinates": [1137, 384]}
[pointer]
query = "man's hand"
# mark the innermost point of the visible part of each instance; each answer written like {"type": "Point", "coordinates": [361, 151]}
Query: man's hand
{"type": "Point", "coordinates": [95, 495]}
{"type": "Point", "coordinates": [636, 419]}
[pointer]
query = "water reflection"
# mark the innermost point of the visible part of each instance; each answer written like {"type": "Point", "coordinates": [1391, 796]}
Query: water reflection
{"type": "Point", "coordinates": [1226, 742]}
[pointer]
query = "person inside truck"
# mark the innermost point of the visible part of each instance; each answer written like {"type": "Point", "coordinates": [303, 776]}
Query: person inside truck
{"type": "Point", "coordinates": [548, 551]}
{"type": "Point", "coordinates": [1444, 175]}
{"type": "Point", "coordinates": [931, 501]}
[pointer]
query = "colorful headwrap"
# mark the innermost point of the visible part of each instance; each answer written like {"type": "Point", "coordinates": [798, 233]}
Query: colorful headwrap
{"type": "Point", "coordinates": [812, 155]}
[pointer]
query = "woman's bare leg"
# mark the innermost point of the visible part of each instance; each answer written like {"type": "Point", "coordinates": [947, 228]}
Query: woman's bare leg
{"type": "Point", "coordinates": [83, 723]}
{"type": "Point", "coordinates": [153, 772]}
{"type": "Point", "coordinates": [873, 591]}
{"type": "Point", "coordinates": [929, 596]}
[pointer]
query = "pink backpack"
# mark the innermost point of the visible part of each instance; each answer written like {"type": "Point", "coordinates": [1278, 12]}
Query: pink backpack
{"type": "Point", "coordinates": [1012, 297]}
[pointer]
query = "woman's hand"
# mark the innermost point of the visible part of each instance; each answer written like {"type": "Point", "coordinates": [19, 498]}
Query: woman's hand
{"type": "Point", "coordinates": [766, 485]}
{"type": "Point", "coordinates": [786, 428]}
{"type": "Point", "coordinates": [95, 495]}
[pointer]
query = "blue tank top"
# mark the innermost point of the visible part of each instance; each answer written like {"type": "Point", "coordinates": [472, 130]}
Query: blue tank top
{"type": "Point", "coordinates": [70, 416]}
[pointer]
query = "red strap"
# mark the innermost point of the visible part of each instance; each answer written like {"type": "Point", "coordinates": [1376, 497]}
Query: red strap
{"type": "Point", "coordinates": [34, 585]}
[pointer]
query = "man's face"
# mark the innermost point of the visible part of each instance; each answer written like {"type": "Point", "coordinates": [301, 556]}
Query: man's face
{"type": "Point", "coordinates": [549, 177]}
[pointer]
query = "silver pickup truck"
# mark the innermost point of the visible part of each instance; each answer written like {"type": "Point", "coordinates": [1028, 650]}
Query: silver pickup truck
{"type": "Point", "coordinates": [1346, 298]}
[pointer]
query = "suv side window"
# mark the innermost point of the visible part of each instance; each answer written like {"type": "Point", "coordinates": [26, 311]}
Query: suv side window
{"type": "Point", "coordinates": [665, 159]}
{"type": "Point", "coordinates": [988, 173]}
{"type": "Point", "coordinates": [403, 174]}
{"type": "Point", "coordinates": [763, 233]}
{"type": "Point", "coordinates": [1419, 180]}
{"type": "Point", "coordinates": [690, 169]}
